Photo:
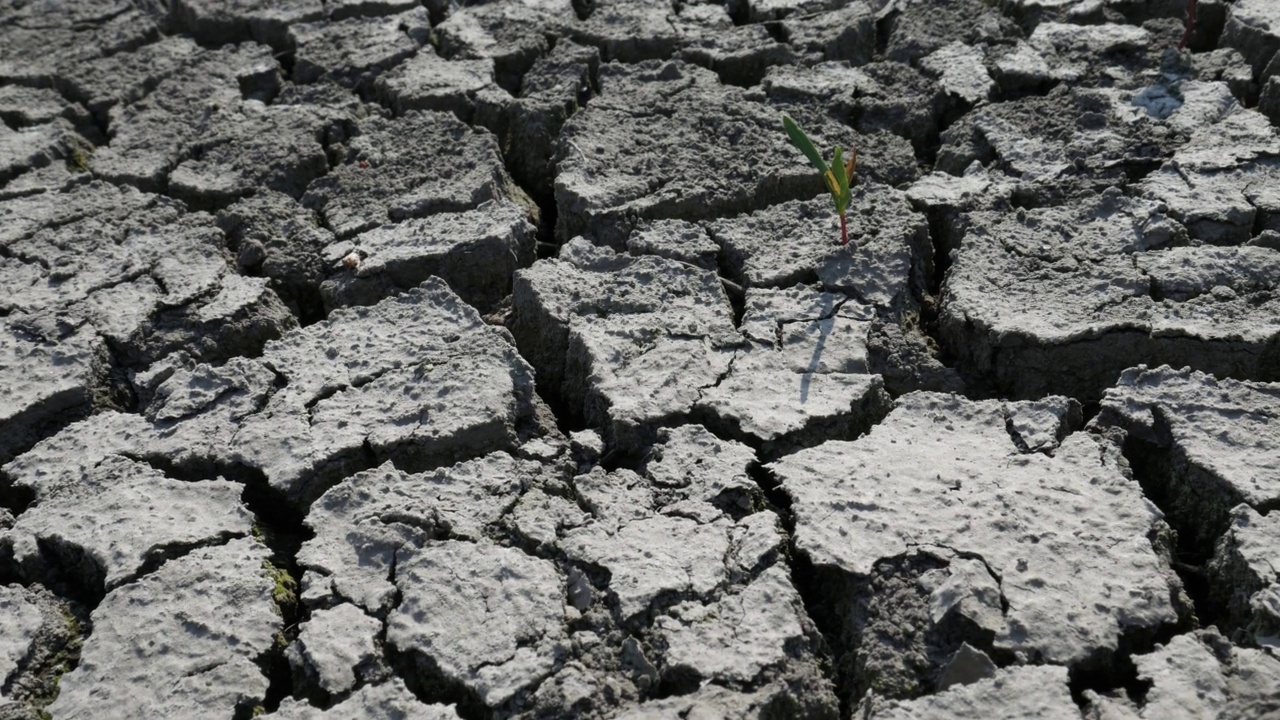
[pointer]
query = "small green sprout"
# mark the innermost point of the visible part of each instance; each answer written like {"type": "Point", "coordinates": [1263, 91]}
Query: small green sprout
{"type": "Point", "coordinates": [285, 592]}
{"type": "Point", "coordinates": [838, 176]}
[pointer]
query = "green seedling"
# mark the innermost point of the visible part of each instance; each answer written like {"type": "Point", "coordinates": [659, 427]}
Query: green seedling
{"type": "Point", "coordinates": [838, 176]}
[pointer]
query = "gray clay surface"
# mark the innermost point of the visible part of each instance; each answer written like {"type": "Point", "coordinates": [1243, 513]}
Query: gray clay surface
{"type": "Point", "coordinates": [1010, 504]}
{"type": "Point", "coordinates": [501, 360]}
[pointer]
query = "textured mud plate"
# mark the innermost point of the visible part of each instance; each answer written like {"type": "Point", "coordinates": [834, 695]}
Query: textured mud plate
{"type": "Point", "coordinates": [501, 360]}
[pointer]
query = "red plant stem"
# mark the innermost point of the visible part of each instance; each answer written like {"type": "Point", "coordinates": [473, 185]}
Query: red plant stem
{"type": "Point", "coordinates": [844, 231]}
{"type": "Point", "coordinates": [1189, 24]}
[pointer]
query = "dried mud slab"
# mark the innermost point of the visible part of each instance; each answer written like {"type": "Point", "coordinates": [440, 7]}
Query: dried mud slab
{"type": "Point", "coordinates": [944, 199]}
{"type": "Point", "coordinates": [417, 165]}
{"type": "Point", "coordinates": [354, 51]}
{"type": "Point", "coordinates": [103, 277]}
{"type": "Point", "coordinates": [1219, 183]}
{"type": "Point", "coordinates": [1244, 574]}
{"type": "Point", "coordinates": [315, 407]}
{"type": "Point", "coordinates": [846, 33]}
{"type": "Point", "coordinates": [1208, 443]}
{"type": "Point", "coordinates": [390, 699]}
{"type": "Point", "coordinates": [764, 10]}
{"type": "Point", "coordinates": [631, 342]}
{"type": "Point", "coordinates": [476, 252]}
{"type": "Point", "coordinates": [739, 55]}
{"type": "Point", "coordinates": [961, 71]}
{"type": "Point", "coordinates": [935, 24]}
{"type": "Point", "coordinates": [18, 630]}
{"type": "Point", "coordinates": [223, 21]}
{"type": "Point", "coordinates": [162, 117]}
{"type": "Point", "coordinates": [124, 78]}
{"type": "Point", "coordinates": [681, 240]}
{"type": "Point", "coordinates": [278, 147]}
{"type": "Point", "coordinates": [1063, 299]}
{"type": "Point", "coordinates": [268, 449]}
{"type": "Point", "coordinates": [660, 569]}
{"type": "Point", "coordinates": [885, 101]}
{"type": "Point", "coordinates": [993, 523]}
{"type": "Point", "coordinates": [418, 551]}
{"type": "Point", "coordinates": [67, 34]}
{"type": "Point", "coordinates": [106, 240]}
{"type": "Point", "coordinates": [1253, 28]}
{"type": "Point", "coordinates": [666, 140]}
{"type": "Point", "coordinates": [702, 34]}
{"type": "Point", "coordinates": [604, 329]}
{"type": "Point", "coordinates": [40, 632]}
{"type": "Point", "coordinates": [363, 522]}
{"type": "Point", "coordinates": [488, 618]}
{"type": "Point", "coordinates": [118, 521]}
{"type": "Point", "coordinates": [1206, 448]}
{"type": "Point", "coordinates": [52, 144]}
{"type": "Point", "coordinates": [556, 87]}
{"type": "Point", "coordinates": [888, 257]}
{"type": "Point", "coordinates": [803, 377]}
{"type": "Point", "coordinates": [1200, 674]}
{"type": "Point", "coordinates": [180, 640]}
{"type": "Point", "coordinates": [662, 555]}
{"type": "Point", "coordinates": [629, 32]}
{"type": "Point", "coordinates": [612, 598]}
{"type": "Point", "coordinates": [427, 81]}
{"type": "Point", "coordinates": [273, 236]}
{"type": "Point", "coordinates": [510, 36]}
{"type": "Point", "coordinates": [58, 372]}
{"type": "Point", "coordinates": [1014, 693]}
{"type": "Point", "coordinates": [1068, 143]}
{"type": "Point", "coordinates": [335, 650]}
{"type": "Point", "coordinates": [449, 385]}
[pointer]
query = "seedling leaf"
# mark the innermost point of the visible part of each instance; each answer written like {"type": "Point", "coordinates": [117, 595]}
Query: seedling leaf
{"type": "Point", "coordinates": [837, 176]}
{"type": "Point", "coordinates": [802, 142]}
{"type": "Point", "coordinates": [841, 195]}
{"type": "Point", "coordinates": [832, 184]}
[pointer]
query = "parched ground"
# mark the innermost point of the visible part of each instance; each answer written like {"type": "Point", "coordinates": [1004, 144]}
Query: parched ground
{"type": "Point", "coordinates": [371, 359]}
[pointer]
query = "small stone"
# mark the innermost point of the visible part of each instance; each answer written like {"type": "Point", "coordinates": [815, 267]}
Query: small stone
{"type": "Point", "coordinates": [969, 665]}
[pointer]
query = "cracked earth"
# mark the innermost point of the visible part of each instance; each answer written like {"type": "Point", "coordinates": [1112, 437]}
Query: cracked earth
{"type": "Point", "coordinates": [498, 360]}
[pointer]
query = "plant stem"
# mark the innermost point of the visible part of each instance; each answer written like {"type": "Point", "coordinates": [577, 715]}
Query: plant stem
{"type": "Point", "coordinates": [1190, 24]}
{"type": "Point", "coordinates": [844, 231]}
